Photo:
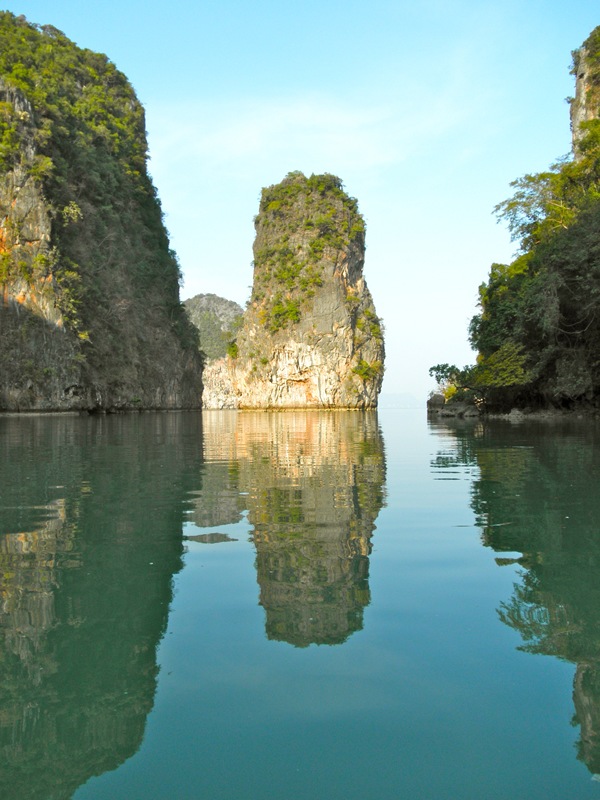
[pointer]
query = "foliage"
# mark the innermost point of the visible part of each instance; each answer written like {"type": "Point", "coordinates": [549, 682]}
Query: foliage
{"type": "Point", "coordinates": [538, 330]}
{"type": "Point", "coordinates": [282, 311]}
{"type": "Point", "coordinates": [454, 383]}
{"type": "Point", "coordinates": [370, 323]}
{"type": "Point", "coordinates": [505, 367]}
{"type": "Point", "coordinates": [368, 371]}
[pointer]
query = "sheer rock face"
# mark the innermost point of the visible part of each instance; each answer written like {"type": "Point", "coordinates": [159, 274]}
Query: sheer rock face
{"type": "Point", "coordinates": [585, 106]}
{"type": "Point", "coordinates": [310, 336]}
{"type": "Point", "coordinates": [90, 317]}
{"type": "Point", "coordinates": [26, 227]}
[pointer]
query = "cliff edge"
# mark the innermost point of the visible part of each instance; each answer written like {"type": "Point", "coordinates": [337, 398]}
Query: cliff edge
{"type": "Point", "coordinates": [90, 316]}
{"type": "Point", "coordinates": [310, 336]}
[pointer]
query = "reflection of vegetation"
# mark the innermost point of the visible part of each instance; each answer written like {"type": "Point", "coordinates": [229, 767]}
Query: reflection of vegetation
{"type": "Point", "coordinates": [88, 547]}
{"type": "Point", "coordinates": [315, 482]}
{"type": "Point", "coordinates": [537, 494]}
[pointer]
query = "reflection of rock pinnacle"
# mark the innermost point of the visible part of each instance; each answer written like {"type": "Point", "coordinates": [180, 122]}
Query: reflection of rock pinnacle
{"type": "Point", "coordinates": [315, 484]}
{"type": "Point", "coordinates": [30, 562]}
{"type": "Point", "coordinates": [313, 587]}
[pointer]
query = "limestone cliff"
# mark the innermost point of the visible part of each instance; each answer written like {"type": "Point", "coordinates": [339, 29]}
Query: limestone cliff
{"type": "Point", "coordinates": [585, 106]}
{"type": "Point", "coordinates": [310, 335]}
{"type": "Point", "coordinates": [90, 316]}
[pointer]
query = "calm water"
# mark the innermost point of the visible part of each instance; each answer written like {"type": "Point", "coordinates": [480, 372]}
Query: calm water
{"type": "Point", "coordinates": [299, 606]}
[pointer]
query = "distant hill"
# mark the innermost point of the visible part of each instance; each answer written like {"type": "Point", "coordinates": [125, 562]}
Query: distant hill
{"type": "Point", "coordinates": [217, 321]}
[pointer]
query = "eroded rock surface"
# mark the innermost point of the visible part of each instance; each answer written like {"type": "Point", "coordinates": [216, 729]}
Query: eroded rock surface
{"type": "Point", "coordinates": [311, 336]}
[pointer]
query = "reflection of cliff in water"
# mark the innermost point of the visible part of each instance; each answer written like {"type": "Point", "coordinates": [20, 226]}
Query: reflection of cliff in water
{"type": "Point", "coordinates": [537, 494]}
{"type": "Point", "coordinates": [313, 484]}
{"type": "Point", "coordinates": [91, 518]}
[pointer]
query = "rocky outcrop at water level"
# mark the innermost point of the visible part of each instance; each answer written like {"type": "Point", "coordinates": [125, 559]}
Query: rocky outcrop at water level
{"type": "Point", "coordinates": [310, 336]}
{"type": "Point", "coordinates": [90, 316]}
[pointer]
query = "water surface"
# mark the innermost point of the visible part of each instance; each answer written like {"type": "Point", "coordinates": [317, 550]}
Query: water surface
{"type": "Point", "coordinates": [298, 605]}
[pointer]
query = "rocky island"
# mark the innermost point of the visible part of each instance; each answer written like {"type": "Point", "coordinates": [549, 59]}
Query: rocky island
{"type": "Point", "coordinates": [90, 315]}
{"type": "Point", "coordinates": [310, 336]}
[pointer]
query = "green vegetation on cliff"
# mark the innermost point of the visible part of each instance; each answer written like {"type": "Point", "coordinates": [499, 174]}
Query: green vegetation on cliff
{"type": "Point", "coordinates": [72, 135]}
{"type": "Point", "coordinates": [538, 331]}
{"type": "Point", "coordinates": [301, 222]}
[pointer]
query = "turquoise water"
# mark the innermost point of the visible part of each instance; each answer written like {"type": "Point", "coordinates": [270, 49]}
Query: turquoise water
{"type": "Point", "coordinates": [299, 605]}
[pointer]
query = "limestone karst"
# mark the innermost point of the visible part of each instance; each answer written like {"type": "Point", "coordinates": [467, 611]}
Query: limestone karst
{"type": "Point", "coordinates": [310, 336]}
{"type": "Point", "coordinates": [90, 316]}
{"type": "Point", "coordinates": [585, 105]}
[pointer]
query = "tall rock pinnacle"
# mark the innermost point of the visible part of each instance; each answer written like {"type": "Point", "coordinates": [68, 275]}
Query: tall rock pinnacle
{"type": "Point", "coordinates": [310, 336]}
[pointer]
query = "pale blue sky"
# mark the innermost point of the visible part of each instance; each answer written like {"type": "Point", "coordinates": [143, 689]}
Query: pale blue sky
{"type": "Point", "coordinates": [426, 111]}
